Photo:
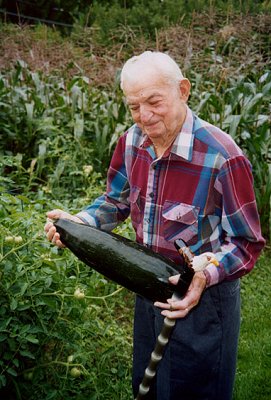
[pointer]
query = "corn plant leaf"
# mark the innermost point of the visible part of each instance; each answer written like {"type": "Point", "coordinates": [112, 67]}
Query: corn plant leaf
{"type": "Point", "coordinates": [78, 127]}
{"type": "Point", "coordinates": [231, 124]}
{"type": "Point", "coordinates": [261, 119]}
{"type": "Point", "coordinates": [263, 77]}
{"type": "Point", "coordinates": [205, 97]}
{"type": "Point", "coordinates": [267, 89]}
{"type": "Point", "coordinates": [250, 102]}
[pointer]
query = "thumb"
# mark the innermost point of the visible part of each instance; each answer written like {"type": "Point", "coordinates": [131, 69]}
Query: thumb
{"type": "Point", "coordinates": [55, 214]}
{"type": "Point", "coordinates": [174, 279]}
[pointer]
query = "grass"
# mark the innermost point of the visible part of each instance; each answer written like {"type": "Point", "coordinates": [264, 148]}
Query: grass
{"type": "Point", "coordinates": [253, 378]}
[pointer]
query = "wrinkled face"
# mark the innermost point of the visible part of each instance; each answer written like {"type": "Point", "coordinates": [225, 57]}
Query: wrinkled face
{"type": "Point", "coordinates": [156, 105]}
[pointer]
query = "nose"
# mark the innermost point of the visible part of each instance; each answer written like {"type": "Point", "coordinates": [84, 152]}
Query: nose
{"type": "Point", "coordinates": [145, 114]}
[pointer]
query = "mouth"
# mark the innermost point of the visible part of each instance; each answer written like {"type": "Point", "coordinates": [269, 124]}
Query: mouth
{"type": "Point", "coordinates": [151, 126]}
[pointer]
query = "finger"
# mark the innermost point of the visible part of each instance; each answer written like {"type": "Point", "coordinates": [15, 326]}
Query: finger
{"type": "Point", "coordinates": [174, 279]}
{"type": "Point", "coordinates": [172, 305]}
{"type": "Point", "coordinates": [51, 233]}
{"type": "Point", "coordinates": [179, 304]}
{"type": "Point", "coordinates": [48, 226]}
{"type": "Point", "coordinates": [54, 214]}
{"type": "Point", "coordinates": [60, 244]}
{"type": "Point", "coordinates": [190, 300]}
{"type": "Point", "coordinates": [159, 304]}
{"type": "Point", "coordinates": [175, 314]}
{"type": "Point", "coordinates": [169, 302]}
{"type": "Point", "coordinates": [56, 240]}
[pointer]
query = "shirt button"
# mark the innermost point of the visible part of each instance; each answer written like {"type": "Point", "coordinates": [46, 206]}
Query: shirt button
{"type": "Point", "coordinates": [151, 195]}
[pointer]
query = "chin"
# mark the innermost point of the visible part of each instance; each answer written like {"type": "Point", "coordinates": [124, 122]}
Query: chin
{"type": "Point", "coordinates": [153, 137]}
{"type": "Point", "coordinates": [155, 133]}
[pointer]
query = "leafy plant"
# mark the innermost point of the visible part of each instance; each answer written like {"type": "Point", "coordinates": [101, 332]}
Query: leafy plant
{"type": "Point", "coordinates": [53, 128]}
{"type": "Point", "coordinates": [56, 328]}
{"type": "Point", "coordinates": [108, 16]}
{"type": "Point", "coordinates": [240, 106]}
{"type": "Point", "coordinates": [254, 363]}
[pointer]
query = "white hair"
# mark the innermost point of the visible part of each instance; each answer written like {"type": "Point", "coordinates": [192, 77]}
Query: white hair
{"type": "Point", "coordinates": [154, 62]}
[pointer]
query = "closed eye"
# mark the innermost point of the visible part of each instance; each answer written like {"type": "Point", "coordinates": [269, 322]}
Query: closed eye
{"type": "Point", "coordinates": [134, 108]}
{"type": "Point", "coordinates": [154, 103]}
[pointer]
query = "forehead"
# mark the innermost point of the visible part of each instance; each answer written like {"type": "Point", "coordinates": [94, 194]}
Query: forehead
{"type": "Point", "coordinates": [147, 87]}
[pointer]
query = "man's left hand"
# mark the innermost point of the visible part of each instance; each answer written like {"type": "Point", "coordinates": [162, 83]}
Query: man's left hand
{"type": "Point", "coordinates": [180, 308]}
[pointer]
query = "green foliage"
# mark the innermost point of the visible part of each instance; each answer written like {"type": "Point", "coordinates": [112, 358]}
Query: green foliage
{"type": "Point", "coordinates": [240, 106]}
{"type": "Point", "coordinates": [110, 16]}
{"type": "Point", "coordinates": [57, 132]}
{"type": "Point", "coordinates": [56, 325]}
{"type": "Point", "coordinates": [253, 378]}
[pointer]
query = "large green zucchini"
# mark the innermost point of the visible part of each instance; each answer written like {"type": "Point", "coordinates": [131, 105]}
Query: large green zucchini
{"type": "Point", "coordinates": [127, 263]}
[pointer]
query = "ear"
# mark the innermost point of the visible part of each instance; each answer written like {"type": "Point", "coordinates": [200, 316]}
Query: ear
{"type": "Point", "coordinates": [185, 89]}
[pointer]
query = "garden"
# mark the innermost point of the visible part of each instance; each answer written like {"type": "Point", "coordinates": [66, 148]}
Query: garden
{"type": "Point", "coordinates": [65, 330]}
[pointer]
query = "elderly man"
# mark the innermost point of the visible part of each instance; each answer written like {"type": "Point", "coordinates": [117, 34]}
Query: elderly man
{"type": "Point", "coordinates": [181, 177]}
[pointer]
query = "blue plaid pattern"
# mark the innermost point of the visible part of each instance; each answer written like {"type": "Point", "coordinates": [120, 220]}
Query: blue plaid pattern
{"type": "Point", "coordinates": [200, 190]}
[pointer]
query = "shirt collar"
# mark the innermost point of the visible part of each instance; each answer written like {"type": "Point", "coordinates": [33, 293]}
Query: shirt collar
{"type": "Point", "coordinates": [183, 144]}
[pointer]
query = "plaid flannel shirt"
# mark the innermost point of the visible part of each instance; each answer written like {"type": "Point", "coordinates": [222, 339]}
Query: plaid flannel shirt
{"type": "Point", "coordinates": [200, 190]}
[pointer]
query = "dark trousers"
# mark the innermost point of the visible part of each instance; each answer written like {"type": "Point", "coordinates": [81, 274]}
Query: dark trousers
{"type": "Point", "coordinates": [200, 359]}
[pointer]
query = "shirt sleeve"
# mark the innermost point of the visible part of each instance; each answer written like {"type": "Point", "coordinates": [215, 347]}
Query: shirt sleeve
{"type": "Point", "coordinates": [241, 231]}
{"type": "Point", "coordinates": [113, 207]}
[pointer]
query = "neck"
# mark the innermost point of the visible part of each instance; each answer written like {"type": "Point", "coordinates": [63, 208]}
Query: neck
{"type": "Point", "coordinates": [161, 146]}
{"type": "Point", "coordinates": [162, 143]}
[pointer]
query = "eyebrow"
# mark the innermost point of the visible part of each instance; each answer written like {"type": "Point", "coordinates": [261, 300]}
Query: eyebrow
{"type": "Point", "coordinates": [151, 97]}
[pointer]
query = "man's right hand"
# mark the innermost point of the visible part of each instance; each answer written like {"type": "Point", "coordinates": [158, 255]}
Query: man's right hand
{"type": "Point", "coordinates": [50, 229]}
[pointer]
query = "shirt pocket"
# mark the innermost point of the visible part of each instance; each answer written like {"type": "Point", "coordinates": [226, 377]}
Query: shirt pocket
{"type": "Point", "coordinates": [180, 221]}
{"type": "Point", "coordinates": [135, 205]}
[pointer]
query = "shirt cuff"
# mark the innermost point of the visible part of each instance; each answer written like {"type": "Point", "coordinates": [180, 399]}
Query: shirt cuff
{"type": "Point", "coordinates": [211, 273]}
{"type": "Point", "coordinates": [86, 218]}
